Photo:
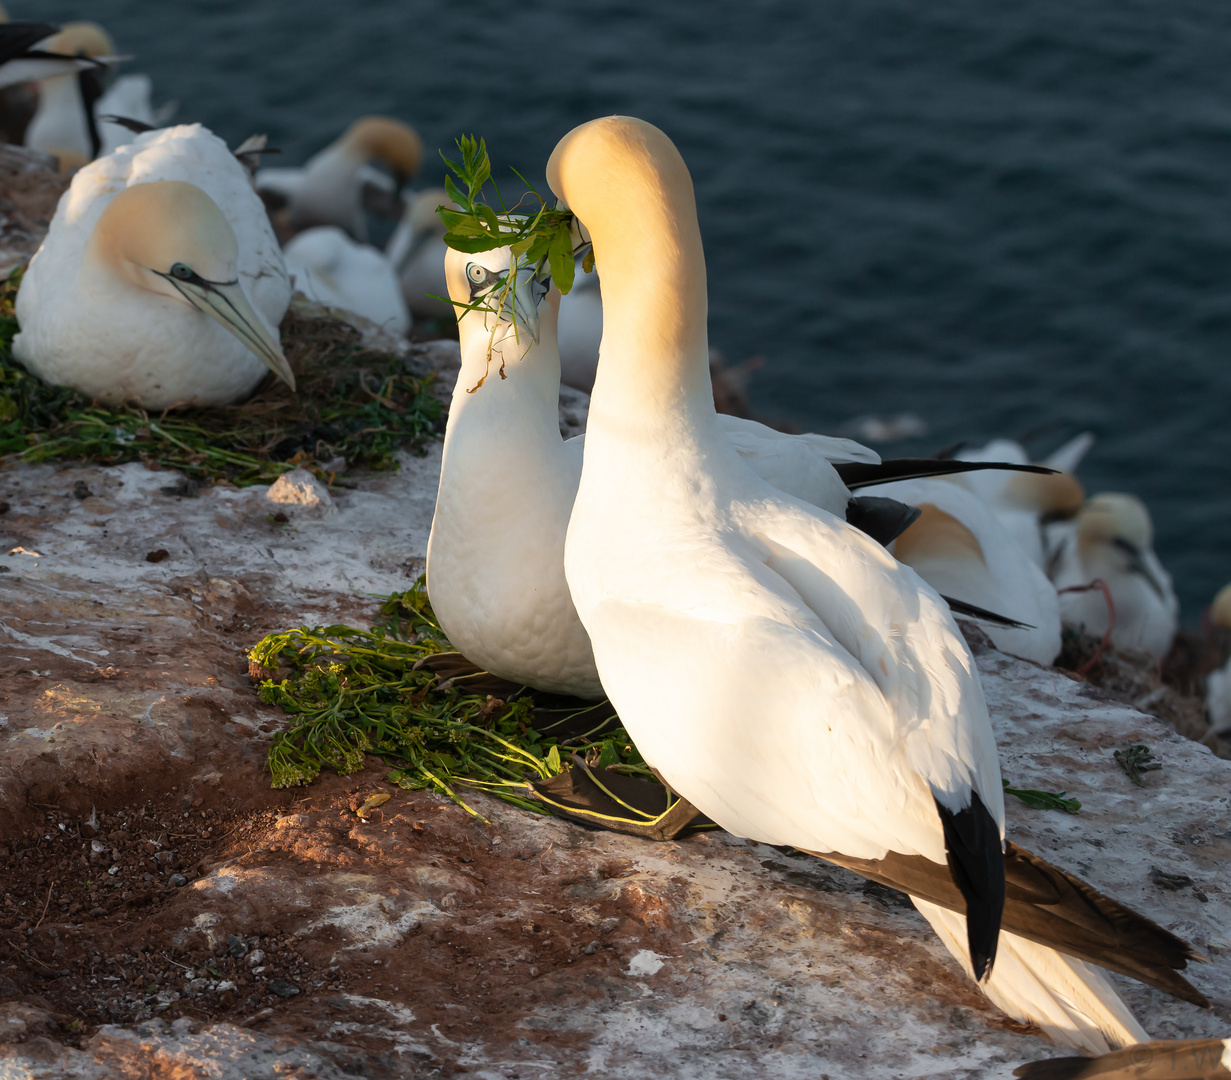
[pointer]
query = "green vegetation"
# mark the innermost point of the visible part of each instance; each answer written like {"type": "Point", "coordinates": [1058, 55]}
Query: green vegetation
{"type": "Point", "coordinates": [1135, 760]}
{"type": "Point", "coordinates": [353, 692]}
{"type": "Point", "coordinates": [1043, 800]}
{"type": "Point", "coordinates": [352, 403]}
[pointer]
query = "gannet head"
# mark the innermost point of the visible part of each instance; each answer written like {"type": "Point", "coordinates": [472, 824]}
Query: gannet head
{"type": "Point", "coordinates": [1116, 529]}
{"type": "Point", "coordinates": [1220, 609]}
{"type": "Point", "coordinates": [490, 301]}
{"type": "Point", "coordinates": [81, 39]}
{"type": "Point", "coordinates": [381, 138]}
{"type": "Point", "coordinates": [169, 237]}
{"type": "Point", "coordinates": [1052, 496]}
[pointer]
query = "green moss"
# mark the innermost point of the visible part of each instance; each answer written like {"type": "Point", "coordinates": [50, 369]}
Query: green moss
{"type": "Point", "coordinates": [351, 692]}
{"type": "Point", "coordinates": [352, 402]}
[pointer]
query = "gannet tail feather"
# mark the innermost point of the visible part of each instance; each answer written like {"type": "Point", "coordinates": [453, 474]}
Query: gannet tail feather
{"type": "Point", "coordinates": [976, 863]}
{"type": "Point", "coordinates": [1069, 999]}
{"type": "Point", "coordinates": [882, 519]}
{"type": "Point", "coordinates": [1163, 1059]}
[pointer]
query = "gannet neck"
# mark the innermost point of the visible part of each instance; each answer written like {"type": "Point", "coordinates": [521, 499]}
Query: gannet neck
{"type": "Point", "coordinates": [629, 186]}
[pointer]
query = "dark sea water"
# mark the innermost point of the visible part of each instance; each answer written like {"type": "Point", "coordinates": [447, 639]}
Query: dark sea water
{"type": "Point", "coordinates": [1001, 219]}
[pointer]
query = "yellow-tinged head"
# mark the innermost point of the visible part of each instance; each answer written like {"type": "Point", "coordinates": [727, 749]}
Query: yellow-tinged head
{"type": "Point", "coordinates": [82, 39]}
{"type": "Point", "coordinates": [1112, 516]}
{"type": "Point", "coordinates": [382, 138]}
{"type": "Point", "coordinates": [1053, 496]}
{"type": "Point", "coordinates": [1220, 609]}
{"type": "Point", "coordinates": [423, 216]}
{"type": "Point", "coordinates": [171, 238]}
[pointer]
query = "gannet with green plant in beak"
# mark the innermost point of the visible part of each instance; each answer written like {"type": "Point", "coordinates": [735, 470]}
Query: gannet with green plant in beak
{"type": "Point", "coordinates": [777, 667]}
{"type": "Point", "coordinates": [160, 280]}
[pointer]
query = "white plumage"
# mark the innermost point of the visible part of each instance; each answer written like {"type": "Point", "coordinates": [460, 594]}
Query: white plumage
{"type": "Point", "coordinates": [105, 317]}
{"type": "Point", "coordinates": [329, 267]}
{"type": "Point", "coordinates": [417, 251]}
{"type": "Point", "coordinates": [780, 670]}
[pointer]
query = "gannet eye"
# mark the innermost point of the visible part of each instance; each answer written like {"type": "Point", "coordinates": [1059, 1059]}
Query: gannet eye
{"type": "Point", "coordinates": [179, 270]}
{"type": "Point", "coordinates": [477, 274]}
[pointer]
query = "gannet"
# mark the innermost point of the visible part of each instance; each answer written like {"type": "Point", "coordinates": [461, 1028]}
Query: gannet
{"type": "Point", "coordinates": [960, 547]}
{"type": "Point", "coordinates": [329, 267]}
{"type": "Point", "coordinates": [328, 190]}
{"type": "Point", "coordinates": [25, 55]}
{"type": "Point", "coordinates": [417, 250]}
{"type": "Point", "coordinates": [160, 279]}
{"type": "Point", "coordinates": [1111, 540]}
{"type": "Point", "coordinates": [780, 670]}
{"type": "Point", "coordinates": [64, 123]}
{"type": "Point", "coordinates": [1218, 687]}
{"type": "Point", "coordinates": [496, 553]}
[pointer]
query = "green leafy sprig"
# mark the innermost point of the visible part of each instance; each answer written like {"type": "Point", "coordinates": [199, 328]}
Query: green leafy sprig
{"type": "Point", "coordinates": [351, 692]}
{"type": "Point", "coordinates": [541, 236]}
{"type": "Point", "coordinates": [1043, 800]}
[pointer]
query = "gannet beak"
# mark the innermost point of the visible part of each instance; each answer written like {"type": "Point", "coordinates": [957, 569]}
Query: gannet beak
{"type": "Point", "coordinates": [226, 302]}
{"type": "Point", "coordinates": [522, 298]}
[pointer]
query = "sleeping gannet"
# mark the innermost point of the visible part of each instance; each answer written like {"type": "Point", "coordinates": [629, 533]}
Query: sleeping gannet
{"type": "Point", "coordinates": [159, 280]}
{"type": "Point", "coordinates": [1111, 540]}
{"type": "Point", "coordinates": [328, 266]}
{"type": "Point", "coordinates": [778, 668]}
{"type": "Point", "coordinates": [961, 548]}
{"type": "Point", "coordinates": [328, 190]}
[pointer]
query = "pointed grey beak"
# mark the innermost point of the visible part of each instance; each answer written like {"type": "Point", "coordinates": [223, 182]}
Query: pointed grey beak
{"type": "Point", "coordinates": [521, 300]}
{"type": "Point", "coordinates": [225, 301]}
{"type": "Point", "coordinates": [1138, 565]}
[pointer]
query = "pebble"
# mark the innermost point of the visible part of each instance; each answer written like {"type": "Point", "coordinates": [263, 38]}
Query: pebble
{"type": "Point", "coordinates": [255, 957]}
{"type": "Point", "coordinates": [283, 988]}
{"type": "Point", "coordinates": [177, 880]}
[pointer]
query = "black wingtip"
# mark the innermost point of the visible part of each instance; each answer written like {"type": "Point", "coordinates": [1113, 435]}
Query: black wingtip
{"type": "Point", "coordinates": [973, 611]}
{"type": "Point", "coordinates": [976, 861]}
{"type": "Point", "coordinates": [857, 474]}
{"type": "Point", "coordinates": [882, 519]}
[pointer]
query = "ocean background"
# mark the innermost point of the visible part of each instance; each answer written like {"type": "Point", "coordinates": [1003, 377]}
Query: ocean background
{"type": "Point", "coordinates": [1007, 221]}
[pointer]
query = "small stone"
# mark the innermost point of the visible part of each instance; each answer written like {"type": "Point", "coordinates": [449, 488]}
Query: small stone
{"type": "Point", "coordinates": [592, 948]}
{"type": "Point", "coordinates": [236, 946]}
{"type": "Point", "coordinates": [283, 988]}
{"type": "Point", "coordinates": [113, 871]}
{"type": "Point", "coordinates": [81, 490]}
{"type": "Point", "coordinates": [1170, 882]}
{"type": "Point", "coordinates": [255, 957]}
{"type": "Point", "coordinates": [177, 880]}
{"type": "Point", "coordinates": [97, 846]}
{"type": "Point", "coordinates": [300, 488]}
{"type": "Point", "coordinates": [197, 986]}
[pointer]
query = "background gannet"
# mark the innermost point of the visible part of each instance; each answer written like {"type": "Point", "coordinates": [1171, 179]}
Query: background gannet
{"type": "Point", "coordinates": [1112, 540]}
{"type": "Point", "coordinates": [24, 55]}
{"type": "Point", "coordinates": [1218, 687]}
{"type": "Point", "coordinates": [328, 190]}
{"type": "Point", "coordinates": [64, 122]}
{"type": "Point", "coordinates": [508, 479]}
{"type": "Point", "coordinates": [160, 278]}
{"type": "Point", "coordinates": [417, 250]}
{"type": "Point", "coordinates": [960, 548]}
{"type": "Point", "coordinates": [780, 670]}
{"type": "Point", "coordinates": [329, 267]}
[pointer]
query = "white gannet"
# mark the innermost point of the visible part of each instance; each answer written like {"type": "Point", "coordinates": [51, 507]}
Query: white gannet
{"type": "Point", "coordinates": [1111, 540]}
{"type": "Point", "coordinates": [64, 121]}
{"type": "Point", "coordinates": [328, 190]}
{"type": "Point", "coordinates": [1025, 502]}
{"type": "Point", "coordinates": [417, 250]}
{"type": "Point", "coordinates": [1218, 686]}
{"type": "Point", "coordinates": [129, 97]}
{"type": "Point", "coordinates": [159, 280]}
{"type": "Point", "coordinates": [329, 267]}
{"type": "Point", "coordinates": [960, 547]}
{"type": "Point", "coordinates": [780, 670]}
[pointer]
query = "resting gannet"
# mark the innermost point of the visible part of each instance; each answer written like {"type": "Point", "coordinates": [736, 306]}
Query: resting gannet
{"type": "Point", "coordinates": [779, 669]}
{"type": "Point", "coordinates": [64, 123]}
{"type": "Point", "coordinates": [1218, 689]}
{"type": "Point", "coordinates": [328, 190]}
{"type": "Point", "coordinates": [508, 479]}
{"type": "Point", "coordinates": [417, 250]}
{"type": "Point", "coordinates": [25, 54]}
{"type": "Point", "coordinates": [1111, 540]}
{"type": "Point", "coordinates": [159, 280]}
{"type": "Point", "coordinates": [328, 266]}
{"type": "Point", "coordinates": [961, 548]}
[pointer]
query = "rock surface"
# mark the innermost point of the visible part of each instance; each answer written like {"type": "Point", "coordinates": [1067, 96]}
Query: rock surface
{"type": "Point", "coordinates": [164, 913]}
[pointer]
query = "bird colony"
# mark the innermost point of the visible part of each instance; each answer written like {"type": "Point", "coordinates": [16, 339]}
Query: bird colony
{"type": "Point", "coordinates": [778, 641]}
